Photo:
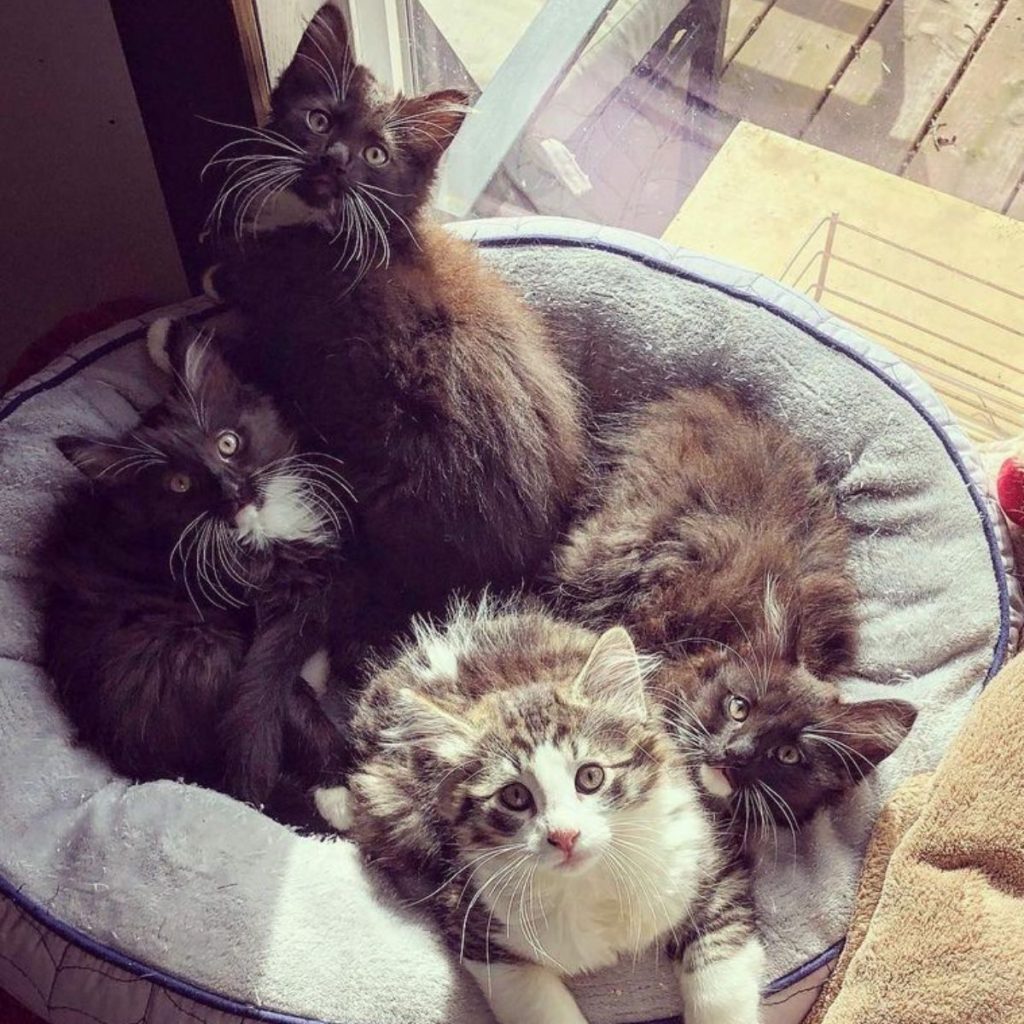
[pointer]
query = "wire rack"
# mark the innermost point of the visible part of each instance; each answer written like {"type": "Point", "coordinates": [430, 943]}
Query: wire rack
{"type": "Point", "coordinates": [962, 332]}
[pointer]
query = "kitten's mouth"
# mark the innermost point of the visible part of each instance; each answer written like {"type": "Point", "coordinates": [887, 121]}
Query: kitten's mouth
{"type": "Point", "coordinates": [247, 521]}
{"type": "Point", "coordinates": [575, 863]}
{"type": "Point", "coordinates": [718, 780]}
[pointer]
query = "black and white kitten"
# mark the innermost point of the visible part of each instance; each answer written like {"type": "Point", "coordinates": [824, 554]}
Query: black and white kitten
{"type": "Point", "coordinates": [390, 344]}
{"type": "Point", "coordinates": [190, 578]}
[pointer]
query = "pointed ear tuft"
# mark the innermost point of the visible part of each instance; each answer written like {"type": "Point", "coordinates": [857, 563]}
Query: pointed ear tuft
{"type": "Point", "coordinates": [93, 458]}
{"type": "Point", "coordinates": [426, 125]}
{"type": "Point", "coordinates": [158, 338]}
{"type": "Point", "coordinates": [427, 723]}
{"type": "Point", "coordinates": [182, 351]}
{"type": "Point", "coordinates": [873, 728]}
{"type": "Point", "coordinates": [614, 675]}
{"type": "Point", "coordinates": [323, 59]}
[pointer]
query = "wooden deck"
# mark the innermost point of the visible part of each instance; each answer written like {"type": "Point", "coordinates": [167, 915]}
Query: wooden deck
{"type": "Point", "coordinates": [932, 90]}
{"type": "Point", "coordinates": [936, 279]}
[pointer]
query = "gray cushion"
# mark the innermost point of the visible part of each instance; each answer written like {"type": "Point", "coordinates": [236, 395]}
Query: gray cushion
{"type": "Point", "coordinates": [164, 901]}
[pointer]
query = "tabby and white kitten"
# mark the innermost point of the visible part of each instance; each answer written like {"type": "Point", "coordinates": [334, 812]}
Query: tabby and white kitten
{"type": "Point", "coordinates": [190, 576]}
{"type": "Point", "coordinates": [713, 537]}
{"type": "Point", "coordinates": [515, 762]}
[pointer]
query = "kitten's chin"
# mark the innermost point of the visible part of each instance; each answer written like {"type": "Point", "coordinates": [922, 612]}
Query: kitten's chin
{"type": "Point", "coordinates": [578, 864]}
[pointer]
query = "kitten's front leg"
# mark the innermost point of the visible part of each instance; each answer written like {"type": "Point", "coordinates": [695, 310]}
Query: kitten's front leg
{"type": "Point", "coordinates": [525, 994]}
{"type": "Point", "coordinates": [720, 977]}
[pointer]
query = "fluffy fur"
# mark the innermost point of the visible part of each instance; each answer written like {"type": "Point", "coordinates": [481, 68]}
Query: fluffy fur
{"type": "Point", "coordinates": [714, 538]}
{"type": "Point", "coordinates": [515, 763]}
{"type": "Point", "coordinates": [387, 341]}
{"type": "Point", "coordinates": [189, 581]}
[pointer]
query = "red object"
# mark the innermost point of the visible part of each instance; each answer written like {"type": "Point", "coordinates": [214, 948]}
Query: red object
{"type": "Point", "coordinates": [1010, 490]}
{"type": "Point", "coordinates": [71, 330]}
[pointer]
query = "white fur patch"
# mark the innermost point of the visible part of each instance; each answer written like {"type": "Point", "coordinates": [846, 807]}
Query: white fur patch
{"type": "Point", "coordinates": [288, 513]}
{"type": "Point", "coordinates": [727, 991]}
{"type": "Point", "coordinates": [316, 671]}
{"type": "Point", "coordinates": [335, 806]}
{"type": "Point", "coordinates": [442, 661]}
{"type": "Point", "coordinates": [525, 994]}
{"type": "Point", "coordinates": [714, 781]}
{"type": "Point", "coordinates": [156, 344]}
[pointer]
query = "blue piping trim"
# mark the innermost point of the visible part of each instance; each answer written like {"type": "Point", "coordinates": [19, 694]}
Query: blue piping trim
{"type": "Point", "coordinates": [227, 1005]}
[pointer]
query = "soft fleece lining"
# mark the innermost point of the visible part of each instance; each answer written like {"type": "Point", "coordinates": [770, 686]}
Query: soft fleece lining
{"type": "Point", "coordinates": [204, 889]}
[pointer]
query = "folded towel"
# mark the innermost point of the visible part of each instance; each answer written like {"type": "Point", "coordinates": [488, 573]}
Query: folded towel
{"type": "Point", "coordinates": [938, 931]}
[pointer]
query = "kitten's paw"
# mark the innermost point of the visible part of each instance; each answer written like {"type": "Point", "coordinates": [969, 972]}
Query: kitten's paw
{"type": "Point", "coordinates": [726, 990]}
{"type": "Point", "coordinates": [157, 339]}
{"type": "Point", "coordinates": [335, 806]}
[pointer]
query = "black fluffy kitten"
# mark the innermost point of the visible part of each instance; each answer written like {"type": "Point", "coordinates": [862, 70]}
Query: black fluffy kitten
{"type": "Point", "coordinates": [189, 582]}
{"type": "Point", "coordinates": [389, 343]}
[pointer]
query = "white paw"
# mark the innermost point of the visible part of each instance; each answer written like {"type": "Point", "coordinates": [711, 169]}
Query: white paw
{"type": "Point", "coordinates": [206, 282]}
{"type": "Point", "coordinates": [316, 671]}
{"type": "Point", "coordinates": [335, 806]}
{"type": "Point", "coordinates": [156, 343]}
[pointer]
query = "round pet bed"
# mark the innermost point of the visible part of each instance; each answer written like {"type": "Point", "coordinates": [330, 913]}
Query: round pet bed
{"type": "Point", "coordinates": [164, 902]}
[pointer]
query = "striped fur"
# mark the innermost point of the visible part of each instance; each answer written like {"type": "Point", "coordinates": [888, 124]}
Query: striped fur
{"type": "Point", "coordinates": [713, 537]}
{"type": "Point", "coordinates": [505, 697]}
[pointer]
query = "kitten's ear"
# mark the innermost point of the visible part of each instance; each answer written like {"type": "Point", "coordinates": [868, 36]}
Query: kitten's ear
{"type": "Point", "coordinates": [93, 458]}
{"type": "Point", "coordinates": [872, 728]}
{"type": "Point", "coordinates": [427, 124]}
{"type": "Point", "coordinates": [323, 60]}
{"type": "Point", "coordinates": [185, 353]}
{"type": "Point", "coordinates": [614, 675]}
{"type": "Point", "coordinates": [425, 722]}
{"type": "Point", "coordinates": [825, 637]}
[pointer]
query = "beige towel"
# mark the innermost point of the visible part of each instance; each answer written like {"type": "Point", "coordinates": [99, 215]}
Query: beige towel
{"type": "Point", "coordinates": [938, 930]}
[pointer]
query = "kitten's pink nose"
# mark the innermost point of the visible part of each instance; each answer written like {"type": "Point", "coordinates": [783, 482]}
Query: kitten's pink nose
{"type": "Point", "coordinates": [564, 839]}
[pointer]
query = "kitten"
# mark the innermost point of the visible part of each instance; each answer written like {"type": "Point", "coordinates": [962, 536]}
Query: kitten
{"type": "Point", "coordinates": [389, 343]}
{"type": "Point", "coordinates": [189, 579]}
{"type": "Point", "coordinates": [515, 763]}
{"type": "Point", "coordinates": [714, 539]}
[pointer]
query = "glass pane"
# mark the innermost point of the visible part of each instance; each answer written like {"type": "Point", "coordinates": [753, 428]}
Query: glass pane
{"type": "Point", "coordinates": [867, 152]}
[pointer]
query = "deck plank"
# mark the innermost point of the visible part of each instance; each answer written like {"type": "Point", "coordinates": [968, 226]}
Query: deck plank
{"type": "Point", "coordinates": [1016, 207]}
{"type": "Point", "coordinates": [779, 77]}
{"type": "Point", "coordinates": [985, 113]}
{"type": "Point", "coordinates": [886, 97]}
{"type": "Point", "coordinates": [742, 16]}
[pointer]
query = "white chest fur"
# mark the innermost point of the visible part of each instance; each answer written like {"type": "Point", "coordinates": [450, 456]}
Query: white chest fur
{"type": "Point", "coordinates": [638, 894]}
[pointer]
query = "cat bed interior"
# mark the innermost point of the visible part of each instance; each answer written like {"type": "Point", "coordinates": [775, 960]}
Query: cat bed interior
{"type": "Point", "coordinates": [163, 901]}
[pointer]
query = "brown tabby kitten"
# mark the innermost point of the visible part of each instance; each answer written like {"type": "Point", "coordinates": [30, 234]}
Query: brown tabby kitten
{"type": "Point", "coordinates": [517, 763]}
{"type": "Point", "coordinates": [389, 342]}
{"type": "Point", "coordinates": [713, 538]}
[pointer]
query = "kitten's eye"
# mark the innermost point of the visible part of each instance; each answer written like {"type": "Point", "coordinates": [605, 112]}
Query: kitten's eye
{"type": "Point", "coordinates": [376, 156]}
{"type": "Point", "coordinates": [318, 120]}
{"type": "Point", "coordinates": [228, 442]}
{"type": "Point", "coordinates": [737, 708]}
{"type": "Point", "coordinates": [516, 797]}
{"type": "Point", "coordinates": [180, 483]}
{"type": "Point", "coordinates": [788, 754]}
{"type": "Point", "coordinates": [589, 778]}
